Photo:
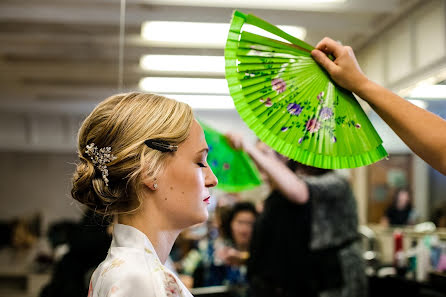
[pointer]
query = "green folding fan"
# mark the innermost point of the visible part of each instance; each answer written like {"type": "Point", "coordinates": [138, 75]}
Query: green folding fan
{"type": "Point", "coordinates": [234, 169]}
{"type": "Point", "coordinates": [292, 104]}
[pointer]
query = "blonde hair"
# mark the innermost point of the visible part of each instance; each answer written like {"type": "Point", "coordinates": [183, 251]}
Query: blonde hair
{"type": "Point", "coordinates": [123, 122]}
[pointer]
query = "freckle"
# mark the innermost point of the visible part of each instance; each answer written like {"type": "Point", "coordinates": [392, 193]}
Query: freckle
{"type": "Point", "coordinates": [165, 198]}
{"type": "Point", "coordinates": [171, 187]}
{"type": "Point", "coordinates": [182, 193]}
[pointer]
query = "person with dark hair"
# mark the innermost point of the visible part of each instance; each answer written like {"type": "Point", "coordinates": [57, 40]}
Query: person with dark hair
{"type": "Point", "coordinates": [400, 212]}
{"type": "Point", "coordinates": [88, 243]}
{"type": "Point", "coordinates": [305, 243]}
{"type": "Point", "coordinates": [238, 232]}
{"type": "Point", "coordinates": [439, 216]}
{"type": "Point", "coordinates": [20, 233]}
{"type": "Point", "coordinates": [222, 260]}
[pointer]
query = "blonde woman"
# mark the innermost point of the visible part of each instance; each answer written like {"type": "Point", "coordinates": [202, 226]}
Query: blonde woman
{"type": "Point", "coordinates": [143, 159]}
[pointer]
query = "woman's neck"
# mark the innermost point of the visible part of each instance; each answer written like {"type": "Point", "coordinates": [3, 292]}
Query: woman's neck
{"type": "Point", "coordinates": [161, 238]}
{"type": "Point", "coordinates": [242, 247]}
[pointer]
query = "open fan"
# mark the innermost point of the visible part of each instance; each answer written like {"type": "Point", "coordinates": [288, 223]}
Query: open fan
{"type": "Point", "coordinates": [292, 104]}
{"type": "Point", "coordinates": [234, 169]}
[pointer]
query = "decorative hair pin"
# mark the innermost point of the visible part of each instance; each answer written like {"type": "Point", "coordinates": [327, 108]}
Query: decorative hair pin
{"type": "Point", "coordinates": [100, 158]}
{"type": "Point", "coordinates": [161, 145]}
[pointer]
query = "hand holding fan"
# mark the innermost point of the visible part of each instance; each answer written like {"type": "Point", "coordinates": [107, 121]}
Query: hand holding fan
{"type": "Point", "coordinates": [234, 169]}
{"type": "Point", "coordinates": [292, 104]}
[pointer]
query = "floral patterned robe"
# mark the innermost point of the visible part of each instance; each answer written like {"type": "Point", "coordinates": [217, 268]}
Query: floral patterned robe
{"type": "Point", "coordinates": [133, 269]}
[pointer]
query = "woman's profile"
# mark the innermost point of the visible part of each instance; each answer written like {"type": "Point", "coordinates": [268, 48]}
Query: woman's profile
{"type": "Point", "coordinates": [143, 160]}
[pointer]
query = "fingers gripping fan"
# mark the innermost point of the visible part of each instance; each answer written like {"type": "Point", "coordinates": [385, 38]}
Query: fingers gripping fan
{"type": "Point", "coordinates": [234, 169]}
{"type": "Point", "coordinates": [291, 103]}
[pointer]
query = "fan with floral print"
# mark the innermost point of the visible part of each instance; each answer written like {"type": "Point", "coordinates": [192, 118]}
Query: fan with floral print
{"type": "Point", "coordinates": [291, 103]}
{"type": "Point", "coordinates": [234, 169]}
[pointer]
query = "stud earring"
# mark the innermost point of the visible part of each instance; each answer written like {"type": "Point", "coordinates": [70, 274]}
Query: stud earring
{"type": "Point", "coordinates": [155, 186]}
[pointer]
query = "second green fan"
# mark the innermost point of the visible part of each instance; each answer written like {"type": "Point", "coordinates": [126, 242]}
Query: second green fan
{"type": "Point", "coordinates": [292, 104]}
{"type": "Point", "coordinates": [234, 169]}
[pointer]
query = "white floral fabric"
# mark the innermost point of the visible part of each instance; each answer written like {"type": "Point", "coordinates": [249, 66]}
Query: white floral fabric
{"type": "Point", "coordinates": [133, 269]}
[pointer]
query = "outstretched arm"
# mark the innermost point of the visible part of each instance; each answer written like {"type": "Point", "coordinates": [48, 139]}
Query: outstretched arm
{"type": "Point", "coordinates": [422, 131]}
{"type": "Point", "coordinates": [285, 180]}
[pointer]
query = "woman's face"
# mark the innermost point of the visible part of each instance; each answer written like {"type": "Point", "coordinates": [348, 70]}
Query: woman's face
{"type": "Point", "coordinates": [183, 187]}
{"type": "Point", "coordinates": [403, 199]}
{"type": "Point", "coordinates": [241, 227]}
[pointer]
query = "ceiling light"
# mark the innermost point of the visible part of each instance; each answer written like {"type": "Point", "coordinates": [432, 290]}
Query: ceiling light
{"type": "Point", "coordinates": [435, 79]}
{"type": "Point", "coordinates": [207, 64]}
{"type": "Point", "coordinates": [185, 33]}
{"type": "Point", "coordinates": [259, 4]}
{"type": "Point", "coordinates": [180, 85]}
{"type": "Point", "coordinates": [191, 34]}
{"type": "Point", "coordinates": [204, 101]}
{"type": "Point", "coordinates": [429, 92]}
{"type": "Point", "coordinates": [420, 103]}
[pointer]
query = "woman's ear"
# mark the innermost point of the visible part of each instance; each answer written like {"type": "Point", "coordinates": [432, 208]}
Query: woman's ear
{"type": "Point", "coordinates": [151, 183]}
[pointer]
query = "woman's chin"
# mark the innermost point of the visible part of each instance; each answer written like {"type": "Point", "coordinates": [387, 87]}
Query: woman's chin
{"type": "Point", "coordinates": [204, 216]}
{"type": "Point", "coordinates": [199, 218]}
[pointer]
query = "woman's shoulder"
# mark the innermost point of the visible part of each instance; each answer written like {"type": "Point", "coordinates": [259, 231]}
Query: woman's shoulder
{"type": "Point", "coordinates": [126, 272]}
{"type": "Point", "coordinates": [331, 184]}
{"type": "Point", "coordinates": [330, 178]}
{"type": "Point", "coordinates": [135, 273]}
{"type": "Point", "coordinates": [120, 264]}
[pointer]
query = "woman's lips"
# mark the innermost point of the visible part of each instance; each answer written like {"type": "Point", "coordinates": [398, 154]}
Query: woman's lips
{"type": "Point", "coordinates": [207, 199]}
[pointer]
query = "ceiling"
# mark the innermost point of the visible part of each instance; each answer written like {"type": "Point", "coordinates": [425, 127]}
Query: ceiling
{"type": "Point", "coordinates": [66, 51]}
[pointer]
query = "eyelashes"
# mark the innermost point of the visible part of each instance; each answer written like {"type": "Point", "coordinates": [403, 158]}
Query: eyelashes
{"type": "Point", "coordinates": [201, 165]}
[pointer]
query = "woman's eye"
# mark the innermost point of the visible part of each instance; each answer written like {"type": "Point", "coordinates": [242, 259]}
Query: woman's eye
{"type": "Point", "coordinates": [201, 165]}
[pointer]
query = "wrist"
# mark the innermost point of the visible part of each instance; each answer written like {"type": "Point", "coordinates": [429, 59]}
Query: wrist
{"type": "Point", "coordinates": [363, 88]}
{"type": "Point", "coordinates": [248, 148]}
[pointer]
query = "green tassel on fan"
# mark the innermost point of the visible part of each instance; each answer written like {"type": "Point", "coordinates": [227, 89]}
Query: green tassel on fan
{"type": "Point", "coordinates": [292, 104]}
{"type": "Point", "coordinates": [234, 169]}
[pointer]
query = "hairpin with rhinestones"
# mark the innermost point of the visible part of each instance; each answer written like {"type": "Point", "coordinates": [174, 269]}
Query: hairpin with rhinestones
{"type": "Point", "coordinates": [161, 145]}
{"type": "Point", "coordinates": [100, 158]}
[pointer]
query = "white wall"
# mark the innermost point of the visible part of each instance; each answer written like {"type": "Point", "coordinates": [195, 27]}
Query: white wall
{"type": "Point", "coordinates": [410, 50]}
{"type": "Point", "coordinates": [37, 182]}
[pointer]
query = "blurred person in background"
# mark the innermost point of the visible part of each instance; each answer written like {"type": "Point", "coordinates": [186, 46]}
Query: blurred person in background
{"type": "Point", "coordinates": [400, 212]}
{"type": "Point", "coordinates": [20, 233]}
{"type": "Point", "coordinates": [238, 233]}
{"type": "Point", "coordinates": [439, 216]}
{"type": "Point", "coordinates": [221, 260]}
{"type": "Point", "coordinates": [305, 243]}
{"type": "Point", "coordinates": [197, 267]}
{"type": "Point", "coordinates": [88, 243]}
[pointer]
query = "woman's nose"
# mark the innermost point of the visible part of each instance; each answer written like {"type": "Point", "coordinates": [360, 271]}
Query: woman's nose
{"type": "Point", "coordinates": [211, 180]}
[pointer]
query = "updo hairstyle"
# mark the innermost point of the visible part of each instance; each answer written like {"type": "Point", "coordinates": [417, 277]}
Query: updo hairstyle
{"type": "Point", "coordinates": [123, 122]}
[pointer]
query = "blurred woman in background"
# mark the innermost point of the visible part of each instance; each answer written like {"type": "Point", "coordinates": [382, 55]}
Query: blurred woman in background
{"type": "Point", "coordinates": [222, 260]}
{"type": "Point", "coordinates": [400, 211]}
